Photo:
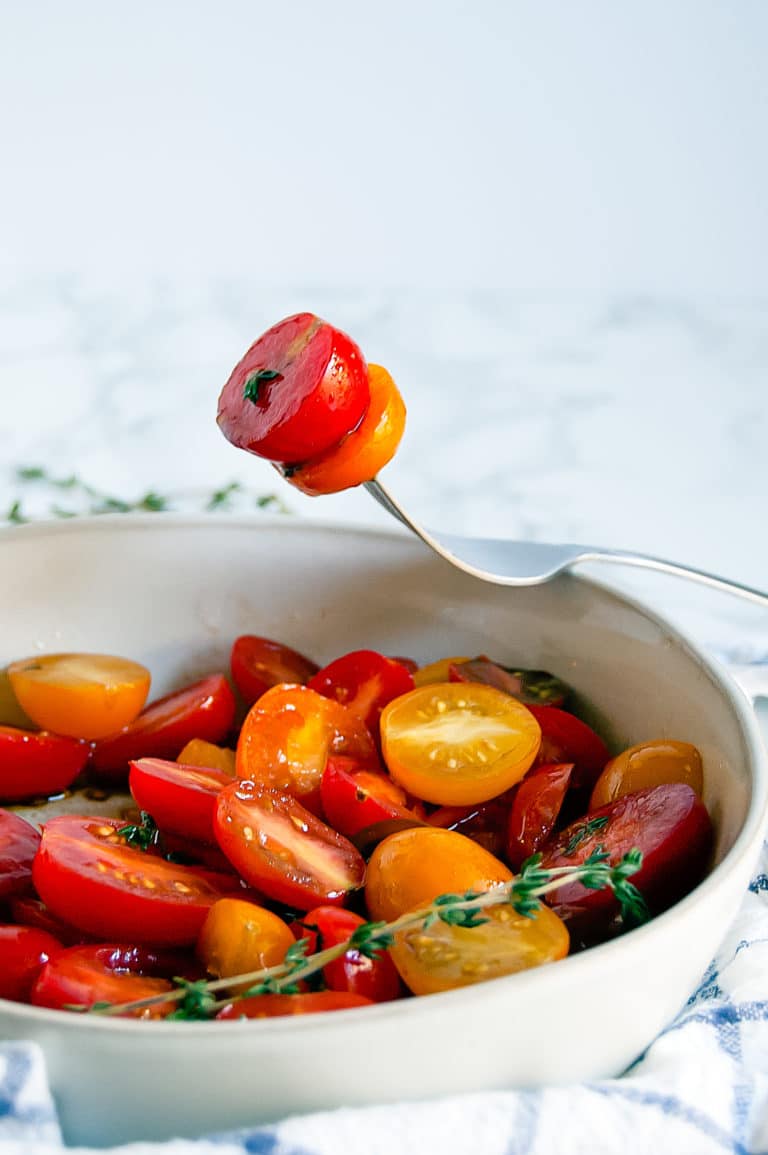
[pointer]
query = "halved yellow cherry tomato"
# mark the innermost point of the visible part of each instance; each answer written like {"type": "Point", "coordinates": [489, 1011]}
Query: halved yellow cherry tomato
{"type": "Point", "coordinates": [11, 713]}
{"type": "Point", "coordinates": [197, 752]}
{"type": "Point", "coordinates": [443, 957]}
{"type": "Point", "coordinates": [239, 937]}
{"type": "Point", "coordinates": [648, 764]}
{"type": "Point", "coordinates": [365, 450]}
{"type": "Point", "coordinates": [436, 671]}
{"type": "Point", "coordinates": [458, 743]}
{"type": "Point", "coordinates": [411, 867]}
{"type": "Point", "coordinates": [80, 695]}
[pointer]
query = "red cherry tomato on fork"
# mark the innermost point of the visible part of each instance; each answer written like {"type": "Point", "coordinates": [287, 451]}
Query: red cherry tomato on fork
{"type": "Point", "coordinates": [354, 799]}
{"type": "Point", "coordinates": [565, 738]}
{"type": "Point", "coordinates": [535, 809]}
{"type": "Point", "coordinates": [258, 664]}
{"type": "Point", "coordinates": [109, 973]}
{"type": "Point", "coordinates": [376, 979]}
{"type": "Point", "coordinates": [282, 849]}
{"type": "Point", "coordinates": [87, 876]}
{"type": "Point", "coordinates": [181, 799]}
{"type": "Point", "coordinates": [19, 842]}
{"type": "Point", "coordinates": [205, 710]}
{"type": "Point", "coordinates": [299, 390]}
{"type": "Point", "coordinates": [37, 764]}
{"type": "Point", "coordinates": [23, 953]}
{"type": "Point", "coordinates": [365, 682]}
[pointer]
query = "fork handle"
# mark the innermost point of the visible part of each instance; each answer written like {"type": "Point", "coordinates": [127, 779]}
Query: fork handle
{"type": "Point", "coordinates": [647, 561]}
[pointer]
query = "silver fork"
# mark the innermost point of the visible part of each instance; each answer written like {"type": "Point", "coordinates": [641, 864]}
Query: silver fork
{"type": "Point", "coordinates": [529, 563]}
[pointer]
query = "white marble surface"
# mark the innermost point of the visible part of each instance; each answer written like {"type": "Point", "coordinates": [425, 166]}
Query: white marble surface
{"type": "Point", "coordinates": [625, 421]}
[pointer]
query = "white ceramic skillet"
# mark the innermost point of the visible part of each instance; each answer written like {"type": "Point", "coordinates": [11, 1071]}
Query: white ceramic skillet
{"type": "Point", "coordinates": [173, 593]}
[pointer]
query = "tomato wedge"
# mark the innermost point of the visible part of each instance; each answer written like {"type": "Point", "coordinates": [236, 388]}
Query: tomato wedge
{"type": "Point", "coordinates": [272, 1006]}
{"type": "Point", "coordinates": [458, 743]}
{"type": "Point", "coordinates": [354, 799]}
{"type": "Point", "coordinates": [37, 765]}
{"type": "Point", "coordinates": [375, 979]}
{"type": "Point", "coordinates": [365, 682]}
{"type": "Point", "coordinates": [23, 954]}
{"type": "Point", "coordinates": [565, 738]}
{"type": "Point", "coordinates": [259, 663]}
{"type": "Point", "coordinates": [363, 452]}
{"type": "Point", "coordinates": [298, 391]}
{"type": "Point", "coordinates": [181, 799]}
{"type": "Point", "coordinates": [284, 850]}
{"type": "Point", "coordinates": [205, 710]}
{"type": "Point", "coordinates": [109, 973]}
{"type": "Point", "coordinates": [19, 842]}
{"type": "Point", "coordinates": [88, 877]}
{"type": "Point", "coordinates": [80, 695]}
{"type": "Point", "coordinates": [288, 736]}
{"type": "Point", "coordinates": [535, 810]}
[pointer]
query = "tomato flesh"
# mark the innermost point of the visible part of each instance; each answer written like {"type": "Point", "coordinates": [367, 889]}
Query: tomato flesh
{"type": "Point", "coordinates": [205, 710]}
{"type": "Point", "coordinates": [365, 682]}
{"type": "Point", "coordinates": [259, 663]}
{"type": "Point", "coordinates": [456, 744]}
{"type": "Point", "coordinates": [37, 765]}
{"type": "Point", "coordinates": [298, 391]}
{"type": "Point", "coordinates": [112, 973]}
{"type": "Point", "coordinates": [181, 799]}
{"type": "Point", "coordinates": [282, 849]}
{"type": "Point", "coordinates": [354, 799]}
{"type": "Point", "coordinates": [274, 1006]}
{"type": "Point", "coordinates": [19, 842]}
{"type": "Point", "coordinates": [23, 954]}
{"type": "Point", "coordinates": [88, 877]}
{"type": "Point", "coordinates": [535, 810]}
{"type": "Point", "coordinates": [375, 979]}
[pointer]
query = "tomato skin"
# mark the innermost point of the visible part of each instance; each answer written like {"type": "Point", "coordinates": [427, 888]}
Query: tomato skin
{"type": "Point", "coordinates": [80, 695]}
{"type": "Point", "coordinates": [31, 912]}
{"type": "Point", "coordinates": [108, 972]}
{"type": "Point", "coordinates": [410, 868]}
{"type": "Point", "coordinates": [565, 738]}
{"type": "Point", "coordinates": [375, 979]}
{"type": "Point", "coordinates": [89, 878]}
{"type": "Point", "coordinates": [668, 823]}
{"type": "Point", "coordinates": [648, 764]}
{"type": "Point", "coordinates": [181, 799]}
{"type": "Point", "coordinates": [35, 765]}
{"type": "Point", "coordinates": [364, 451]}
{"type": "Point", "coordinates": [288, 736]}
{"type": "Point", "coordinates": [239, 937]}
{"type": "Point", "coordinates": [365, 682]}
{"type": "Point", "coordinates": [205, 710]}
{"type": "Point", "coordinates": [535, 809]}
{"type": "Point", "coordinates": [282, 849]}
{"type": "Point", "coordinates": [354, 799]}
{"type": "Point", "coordinates": [531, 687]}
{"type": "Point", "coordinates": [258, 664]}
{"type": "Point", "coordinates": [436, 672]}
{"type": "Point", "coordinates": [457, 744]}
{"type": "Point", "coordinates": [23, 953]}
{"type": "Point", "coordinates": [19, 842]}
{"type": "Point", "coordinates": [272, 1006]}
{"type": "Point", "coordinates": [320, 392]}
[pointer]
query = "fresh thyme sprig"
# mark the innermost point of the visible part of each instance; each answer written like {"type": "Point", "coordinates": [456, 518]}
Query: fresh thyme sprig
{"type": "Point", "coordinates": [524, 892]}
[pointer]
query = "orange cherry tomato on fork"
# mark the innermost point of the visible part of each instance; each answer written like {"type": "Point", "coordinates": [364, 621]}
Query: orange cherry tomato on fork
{"type": "Point", "coordinates": [80, 695]}
{"type": "Point", "coordinates": [363, 452]}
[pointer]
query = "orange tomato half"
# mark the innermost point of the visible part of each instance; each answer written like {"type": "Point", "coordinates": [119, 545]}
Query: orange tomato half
{"type": "Point", "coordinates": [366, 449]}
{"type": "Point", "coordinates": [458, 743]}
{"type": "Point", "coordinates": [80, 695]}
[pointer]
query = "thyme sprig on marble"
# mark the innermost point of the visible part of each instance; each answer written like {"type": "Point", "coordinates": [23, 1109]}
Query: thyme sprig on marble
{"type": "Point", "coordinates": [198, 1000]}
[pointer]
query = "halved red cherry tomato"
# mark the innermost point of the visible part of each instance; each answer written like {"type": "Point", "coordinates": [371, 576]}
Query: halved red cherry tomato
{"type": "Point", "coordinates": [205, 709]}
{"type": "Point", "coordinates": [18, 846]}
{"type": "Point", "coordinates": [37, 765]}
{"type": "Point", "coordinates": [284, 850]}
{"type": "Point", "coordinates": [288, 736]}
{"type": "Point", "coordinates": [532, 687]}
{"type": "Point", "coordinates": [80, 695]}
{"type": "Point", "coordinates": [354, 799]}
{"type": "Point", "coordinates": [669, 824]}
{"type": "Point", "coordinates": [258, 664]}
{"type": "Point", "coordinates": [88, 877]}
{"type": "Point", "coordinates": [109, 973]}
{"type": "Point", "coordinates": [363, 452]}
{"type": "Point", "coordinates": [456, 744]}
{"type": "Point", "coordinates": [365, 682]}
{"type": "Point", "coordinates": [180, 798]}
{"type": "Point", "coordinates": [272, 1006]}
{"type": "Point", "coordinates": [299, 390]}
{"type": "Point", "coordinates": [29, 911]}
{"type": "Point", "coordinates": [23, 953]}
{"type": "Point", "coordinates": [535, 809]}
{"type": "Point", "coordinates": [376, 979]}
{"type": "Point", "coordinates": [565, 738]}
